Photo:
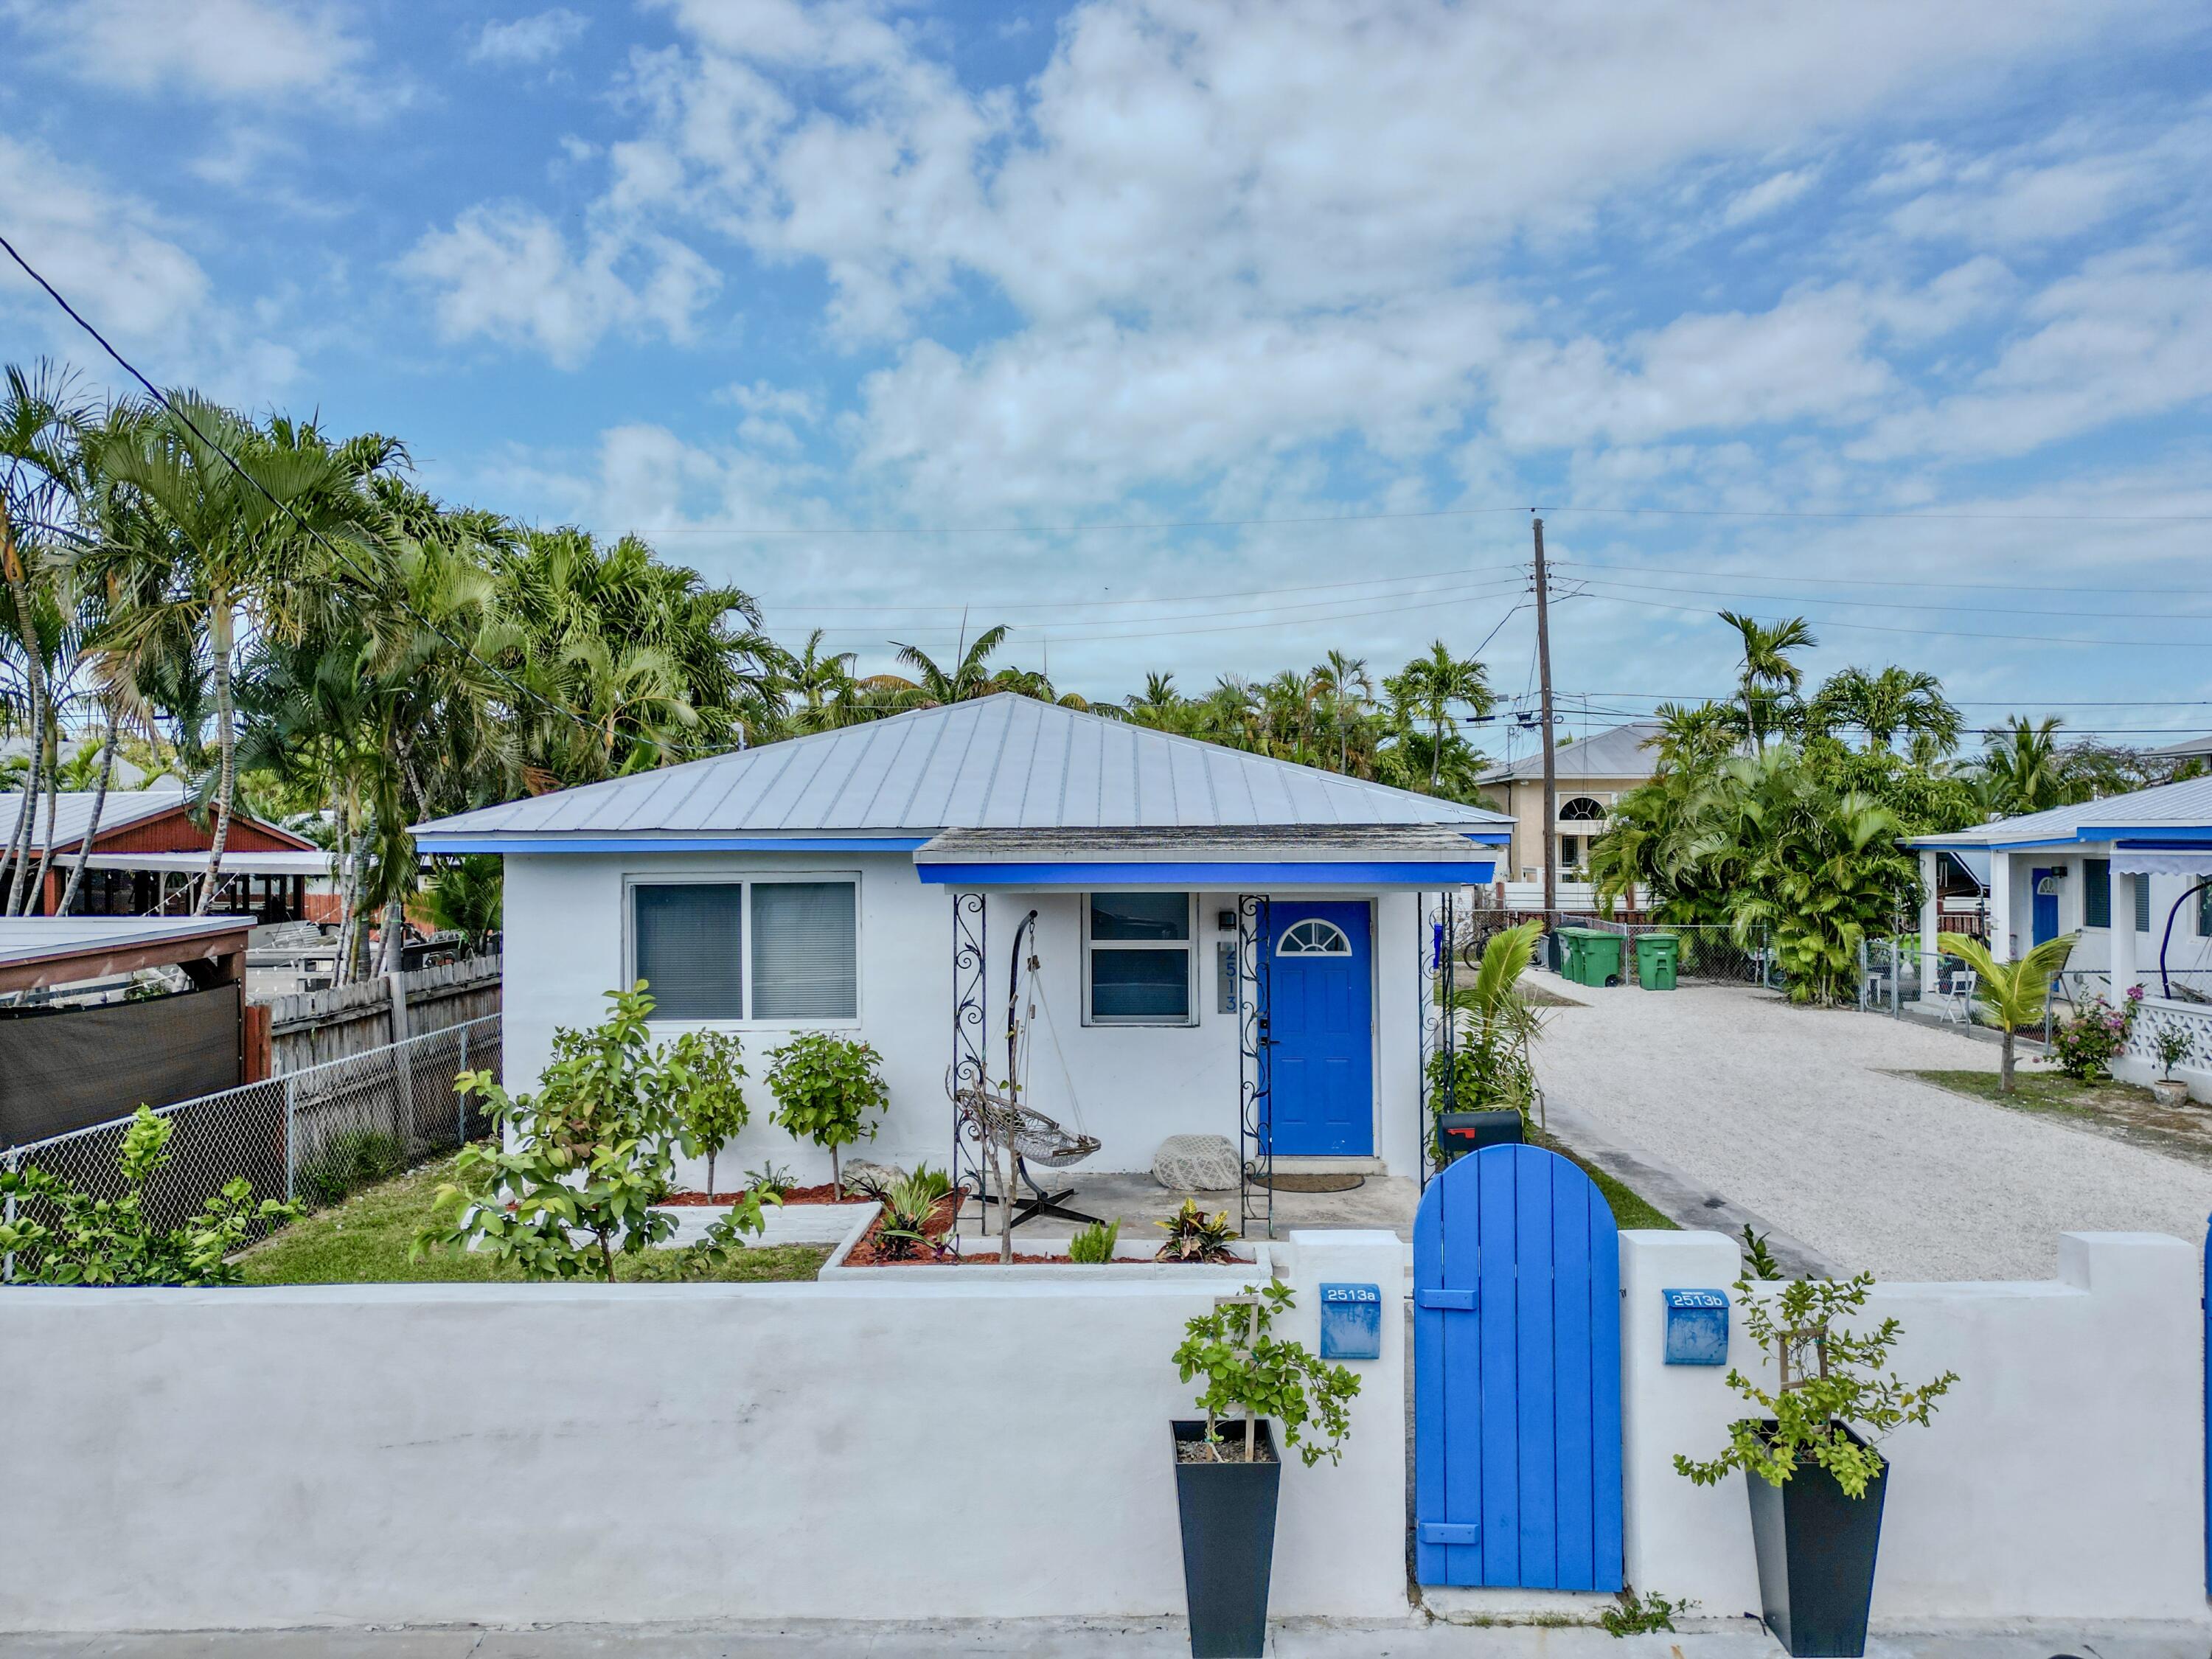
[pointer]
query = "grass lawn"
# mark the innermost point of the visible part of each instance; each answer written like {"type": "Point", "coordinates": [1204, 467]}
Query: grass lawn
{"type": "Point", "coordinates": [2119, 1110]}
{"type": "Point", "coordinates": [365, 1240]}
{"type": "Point", "coordinates": [1628, 1209]}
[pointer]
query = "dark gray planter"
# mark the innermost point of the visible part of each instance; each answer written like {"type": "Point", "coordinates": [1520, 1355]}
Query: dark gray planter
{"type": "Point", "coordinates": [1816, 1558]}
{"type": "Point", "coordinates": [1228, 1516]}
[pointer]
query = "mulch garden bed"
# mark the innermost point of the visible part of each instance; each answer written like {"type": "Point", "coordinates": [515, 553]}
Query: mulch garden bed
{"type": "Point", "coordinates": [827, 1193]}
{"type": "Point", "coordinates": [869, 1253]}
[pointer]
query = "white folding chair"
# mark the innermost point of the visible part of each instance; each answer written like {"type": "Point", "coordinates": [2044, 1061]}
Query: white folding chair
{"type": "Point", "coordinates": [1958, 997]}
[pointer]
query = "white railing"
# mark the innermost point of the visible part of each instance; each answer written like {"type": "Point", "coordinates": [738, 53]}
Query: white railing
{"type": "Point", "coordinates": [2193, 1020]}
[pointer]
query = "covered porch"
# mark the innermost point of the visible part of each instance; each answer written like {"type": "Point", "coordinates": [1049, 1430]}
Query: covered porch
{"type": "Point", "coordinates": [1274, 990]}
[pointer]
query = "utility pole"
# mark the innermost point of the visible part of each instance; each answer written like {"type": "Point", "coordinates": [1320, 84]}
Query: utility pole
{"type": "Point", "coordinates": [1550, 760]}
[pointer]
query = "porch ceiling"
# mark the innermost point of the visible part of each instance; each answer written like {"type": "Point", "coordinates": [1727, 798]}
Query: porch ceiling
{"type": "Point", "coordinates": [1361, 855]}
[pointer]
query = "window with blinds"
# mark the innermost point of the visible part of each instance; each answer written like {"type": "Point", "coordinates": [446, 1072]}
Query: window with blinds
{"type": "Point", "coordinates": [688, 940]}
{"type": "Point", "coordinates": [783, 951]}
{"type": "Point", "coordinates": [2142, 904]}
{"type": "Point", "coordinates": [1137, 959]}
{"type": "Point", "coordinates": [806, 955]}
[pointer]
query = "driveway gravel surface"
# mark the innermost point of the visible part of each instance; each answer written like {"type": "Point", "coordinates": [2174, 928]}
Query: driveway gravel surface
{"type": "Point", "coordinates": [1797, 1115]}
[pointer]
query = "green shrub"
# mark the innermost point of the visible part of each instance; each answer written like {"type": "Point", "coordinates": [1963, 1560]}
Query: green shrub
{"type": "Point", "coordinates": [101, 1241]}
{"type": "Point", "coordinates": [1094, 1244]}
{"type": "Point", "coordinates": [706, 1070]}
{"type": "Point", "coordinates": [1251, 1374]}
{"type": "Point", "coordinates": [909, 1206]}
{"type": "Point", "coordinates": [1194, 1235]}
{"type": "Point", "coordinates": [828, 1090]}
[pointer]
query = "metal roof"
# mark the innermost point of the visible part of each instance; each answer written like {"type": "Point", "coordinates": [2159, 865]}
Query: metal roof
{"type": "Point", "coordinates": [2177, 807]}
{"type": "Point", "coordinates": [45, 938]}
{"type": "Point", "coordinates": [1617, 753]}
{"type": "Point", "coordinates": [73, 811]}
{"type": "Point", "coordinates": [1348, 844]}
{"type": "Point", "coordinates": [2188, 748]}
{"type": "Point", "coordinates": [999, 762]}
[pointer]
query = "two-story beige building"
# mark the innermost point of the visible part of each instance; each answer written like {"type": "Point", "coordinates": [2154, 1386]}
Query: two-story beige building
{"type": "Point", "coordinates": [1591, 775]}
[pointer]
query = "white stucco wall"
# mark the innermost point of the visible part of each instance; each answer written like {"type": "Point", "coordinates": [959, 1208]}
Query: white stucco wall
{"type": "Point", "coordinates": [2061, 1478]}
{"type": "Point", "coordinates": [1131, 1086]}
{"type": "Point", "coordinates": [350, 1455]}
{"type": "Point", "coordinates": [2186, 950]}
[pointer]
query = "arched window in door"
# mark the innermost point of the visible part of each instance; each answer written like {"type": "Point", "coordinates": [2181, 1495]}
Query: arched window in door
{"type": "Point", "coordinates": [1313, 937]}
{"type": "Point", "coordinates": [1582, 809]}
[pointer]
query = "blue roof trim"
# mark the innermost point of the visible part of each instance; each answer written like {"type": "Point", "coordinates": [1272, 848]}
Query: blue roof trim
{"type": "Point", "coordinates": [2176, 834]}
{"type": "Point", "coordinates": [1489, 837]}
{"type": "Point", "coordinates": [1424, 874]}
{"type": "Point", "coordinates": [498, 843]}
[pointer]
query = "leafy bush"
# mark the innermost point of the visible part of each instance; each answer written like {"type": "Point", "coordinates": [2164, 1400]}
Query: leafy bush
{"type": "Point", "coordinates": [827, 1089]}
{"type": "Point", "coordinates": [705, 1070]}
{"type": "Point", "coordinates": [2171, 1045]}
{"type": "Point", "coordinates": [592, 1153]}
{"type": "Point", "coordinates": [100, 1241]}
{"type": "Point", "coordinates": [1489, 1068]}
{"type": "Point", "coordinates": [770, 1180]}
{"type": "Point", "coordinates": [1094, 1244]}
{"type": "Point", "coordinates": [1250, 1374]}
{"type": "Point", "coordinates": [346, 1163]}
{"type": "Point", "coordinates": [1194, 1235]}
{"type": "Point", "coordinates": [1828, 1378]}
{"type": "Point", "coordinates": [2085, 1047]}
{"type": "Point", "coordinates": [1635, 1615]}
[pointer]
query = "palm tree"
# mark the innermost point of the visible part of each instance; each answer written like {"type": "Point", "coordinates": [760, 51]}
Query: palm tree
{"type": "Point", "coordinates": [1159, 705]}
{"type": "Point", "coordinates": [967, 678]}
{"type": "Point", "coordinates": [215, 526]}
{"type": "Point", "coordinates": [1351, 692]}
{"type": "Point", "coordinates": [1884, 706]}
{"type": "Point", "coordinates": [1769, 679]}
{"type": "Point", "coordinates": [2015, 994]}
{"type": "Point", "coordinates": [1695, 739]}
{"type": "Point", "coordinates": [2026, 768]}
{"type": "Point", "coordinates": [829, 697]}
{"type": "Point", "coordinates": [1429, 688]}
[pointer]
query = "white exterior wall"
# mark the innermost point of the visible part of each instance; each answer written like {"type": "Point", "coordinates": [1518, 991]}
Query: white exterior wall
{"type": "Point", "coordinates": [456, 1453]}
{"type": "Point", "coordinates": [2094, 952]}
{"type": "Point", "coordinates": [1131, 1086]}
{"type": "Point", "coordinates": [2061, 1478]}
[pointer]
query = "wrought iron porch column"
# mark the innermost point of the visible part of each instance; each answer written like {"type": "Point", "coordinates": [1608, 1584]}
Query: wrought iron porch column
{"type": "Point", "coordinates": [969, 1068]}
{"type": "Point", "coordinates": [1254, 1099]}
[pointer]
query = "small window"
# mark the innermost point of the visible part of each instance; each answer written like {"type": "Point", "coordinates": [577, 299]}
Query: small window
{"type": "Point", "coordinates": [2096, 892]}
{"type": "Point", "coordinates": [804, 964]}
{"type": "Point", "coordinates": [2204, 912]}
{"type": "Point", "coordinates": [2142, 904]}
{"type": "Point", "coordinates": [1582, 809]}
{"type": "Point", "coordinates": [1138, 957]}
{"type": "Point", "coordinates": [1313, 937]}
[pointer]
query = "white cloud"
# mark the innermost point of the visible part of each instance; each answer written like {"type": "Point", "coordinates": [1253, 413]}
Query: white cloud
{"type": "Point", "coordinates": [508, 273]}
{"type": "Point", "coordinates": [221, 49]}
{"type": "Point", "coordinates": [1770, 194]}
{"type": "Point", "coordinates": [526, 41]}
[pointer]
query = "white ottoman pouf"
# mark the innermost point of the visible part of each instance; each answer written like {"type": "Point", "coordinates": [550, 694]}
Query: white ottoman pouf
{"type": "Point", "coordinates": [1195, 1164]}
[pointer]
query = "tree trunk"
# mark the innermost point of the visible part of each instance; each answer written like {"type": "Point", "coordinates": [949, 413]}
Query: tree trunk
{"type": "Point", "coordinates": [2005, 1065]}
{"type": "Point", "coordinates": [1436, 755]}
{"type": "Point", "coordinates": [1004, 1167]}
{"type": "Point", "coordinates": [219, 630]}
{"type": "Point", "coordinates": [92, 826]}
{"type": "Point", "coordinates": [26, 826]}
{"type": "Point", "coordinates": [395, 935]}
{"type": "Point", "coordinates": [34, 676]}
{"type": "Point", "coordinates": [710, 1175]}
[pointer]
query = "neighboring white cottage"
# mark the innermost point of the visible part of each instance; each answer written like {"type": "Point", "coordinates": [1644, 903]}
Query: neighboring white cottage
{"type": "Point", "coordinates": [2131, 873]}
{"type": "Point", "coordinates": [1187, 898]}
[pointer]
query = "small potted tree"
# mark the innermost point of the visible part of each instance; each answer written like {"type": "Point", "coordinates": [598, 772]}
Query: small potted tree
{"type": "Point", "coordinates": [706, 1072]}
{"type": "Point", "coordinates": [2171, 1044]}
{"type": "Point", "coordinates": [1226, 1486]}
{"type": "Point", "coordinates": [828, 1090]}
{"type": "Point", "coordinates": [1816, 1482]}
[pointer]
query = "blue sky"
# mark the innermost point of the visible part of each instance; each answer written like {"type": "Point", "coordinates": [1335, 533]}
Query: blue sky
{"type": "Point", "coordinates": [872, 308]}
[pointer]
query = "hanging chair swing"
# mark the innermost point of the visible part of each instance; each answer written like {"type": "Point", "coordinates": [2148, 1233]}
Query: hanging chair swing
{"type": "Point", "coordinates": [994, 1120]}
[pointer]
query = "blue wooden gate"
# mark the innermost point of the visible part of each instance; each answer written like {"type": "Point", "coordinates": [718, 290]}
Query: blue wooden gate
{"type": "Point", "coordinates": [1516, 1376]}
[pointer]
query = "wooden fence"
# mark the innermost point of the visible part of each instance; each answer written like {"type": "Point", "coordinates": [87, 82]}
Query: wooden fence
{"type": "Point", "coordinates": [320, 1026]}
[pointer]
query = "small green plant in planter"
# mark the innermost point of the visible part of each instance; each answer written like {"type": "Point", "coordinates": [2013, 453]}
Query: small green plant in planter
{"type": "Point", "coordinates": [1094, 1244]}
{"type": "Point", "coordinates": [828, 1090]}
{"type": "Point", "coordinates": [2171, 1045]}
{"type": "Point", "coordinates": [1818, 1486]}
{"type": "Point", "coordinates": [1194, 1235]}
{"type": "Point", "coordinates": [707, 1072]}
{"type": "Point", "coordinates": [1226, 1487]}
{"type": "Point", "coordinates": [910, 1205]}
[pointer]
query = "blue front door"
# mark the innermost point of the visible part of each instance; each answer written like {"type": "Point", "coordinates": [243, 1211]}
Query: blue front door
{"type": "Point", "coordinates": [1320, 1014]}
{"type": "Point", "coordinates": [2047, 906]}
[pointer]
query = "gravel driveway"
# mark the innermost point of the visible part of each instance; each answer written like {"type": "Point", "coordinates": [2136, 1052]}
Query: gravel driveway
{"type": "Point", "coordinates": [1791, 1113]}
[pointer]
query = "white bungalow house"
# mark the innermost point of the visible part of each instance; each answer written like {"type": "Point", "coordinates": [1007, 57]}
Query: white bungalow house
{"type": "Point", "coordinates": [1188, 900]}
{"type": "Point", "coordinates": [2131, 873]}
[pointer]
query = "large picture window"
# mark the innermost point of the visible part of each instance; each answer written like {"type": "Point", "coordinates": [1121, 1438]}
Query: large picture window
{"type": "Point", "coordinates": [1137, 959]}
{"type": "Point", "coordinates": [771, 951]}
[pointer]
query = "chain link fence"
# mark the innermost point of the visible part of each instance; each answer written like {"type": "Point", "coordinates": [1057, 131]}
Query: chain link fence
{"type": "Point", "coordinates": [313, 1136]}
{"type": "Point", "coordinates": [1704, 951]}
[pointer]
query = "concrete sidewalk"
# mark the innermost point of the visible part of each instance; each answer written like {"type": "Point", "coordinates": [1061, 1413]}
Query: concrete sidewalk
{"type": "Point", "coordinates": [1055, 1639]}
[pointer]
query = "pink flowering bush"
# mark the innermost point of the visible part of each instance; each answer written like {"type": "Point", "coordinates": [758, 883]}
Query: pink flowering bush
{"type": "Point", "coordinates": [2085, 1047]}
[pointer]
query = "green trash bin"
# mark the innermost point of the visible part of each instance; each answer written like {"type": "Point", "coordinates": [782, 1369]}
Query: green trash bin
{"type": "Point", "coordinates": [1656, 957]}
{"type": "Point", "coordinates": [1593, 955]}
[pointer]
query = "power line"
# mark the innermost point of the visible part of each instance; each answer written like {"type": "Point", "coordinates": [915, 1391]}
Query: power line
{"type": "Point", "coordinates": [1936, 633]}
{"type": "Point", "coordinates": [1890, 605]}
{"type": "Point", "coordinates": [1180, 598]}
{"type": "Point", "coordinates": [1646, 567]}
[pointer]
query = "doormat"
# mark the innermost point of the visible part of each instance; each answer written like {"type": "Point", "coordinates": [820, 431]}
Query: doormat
{"type": "Point", "coordinates": [1309, 1183]}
